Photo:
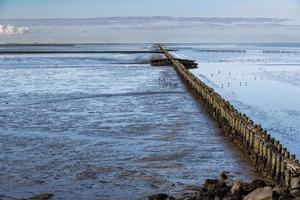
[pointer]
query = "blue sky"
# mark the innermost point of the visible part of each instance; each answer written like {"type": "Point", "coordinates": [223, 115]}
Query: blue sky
{"type": "Point", "coordinates": [283, 24]}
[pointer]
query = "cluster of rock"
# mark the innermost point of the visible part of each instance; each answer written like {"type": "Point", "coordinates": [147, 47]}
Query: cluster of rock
{"type": "Point", "coordinates": [220, 189]}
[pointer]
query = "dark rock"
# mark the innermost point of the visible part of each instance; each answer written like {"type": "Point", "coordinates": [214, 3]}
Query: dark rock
{"type": "Point", "coordinates": [221, 192]}
{"type": "Point", "coordinates": [215, 189]}
{"type": "Point", "coordinates": [223, 176]}
{"type": "Point", "coordinates": [280, 190]}
{"type": "Point", "coordinates": [257, 183]}
{"type": "Point", "coordinates": [45, 196]}
{"type": "Point", "coordinates": [39, 181]}
{"type": "Point", "coordinates": [295, 193]}
{"type": "Point", "coordinates": [211, 184]}
{"type": "Point", "coordinates": [282, 194]}
{"type": "Point", "coordinates": [218, 190]}
{"type": "Point", "coordinates": [193, 196]}
{"type": "Point", "coordinates": [160, 197]}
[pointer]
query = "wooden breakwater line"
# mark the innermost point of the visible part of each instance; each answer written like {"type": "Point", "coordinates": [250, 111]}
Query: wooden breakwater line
{"type": "Point", "coordinates": [189, 64]}
{"type": "Point", "coordinates": [271, 159]}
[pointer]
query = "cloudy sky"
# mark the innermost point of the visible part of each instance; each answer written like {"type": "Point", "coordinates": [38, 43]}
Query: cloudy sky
{"type": "Point", "coordinates": [28, 21]}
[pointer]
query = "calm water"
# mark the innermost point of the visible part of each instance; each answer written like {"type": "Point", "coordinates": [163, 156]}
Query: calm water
{"type": "Point", "coordinates": [98, 126]}
{"type": "Point", "coordinates": [261, 80]}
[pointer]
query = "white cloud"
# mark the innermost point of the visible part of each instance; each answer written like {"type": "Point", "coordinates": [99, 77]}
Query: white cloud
{"type": "Point", "coordinates": [12, 30]}
{"type": "Point", "coordinates": [161, 22]}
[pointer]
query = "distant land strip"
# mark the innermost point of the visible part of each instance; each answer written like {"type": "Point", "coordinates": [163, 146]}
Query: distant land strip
{"type": "Point", "coordinates": [65, 51]}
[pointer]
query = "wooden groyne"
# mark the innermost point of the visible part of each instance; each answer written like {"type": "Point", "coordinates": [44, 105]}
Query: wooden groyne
{"type": "Point", "coordinates": [270, 158]}
{"type": "Point", "coordinates": [189, 64]}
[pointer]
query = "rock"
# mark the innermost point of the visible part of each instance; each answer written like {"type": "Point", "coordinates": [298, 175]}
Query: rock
{"type": "Point", "coordinates": [39, 181]}
{"type": "Point", "coordinates": [279, 190]}
{"type": "Point", "coordinates": [257, 183]}
{"type": "Point", "coordinates": [215, 188]}
{"type": "Point", "coordinates": [192, 196]}
{"type": "Point", "coordinates": [211, 184]}
{"type": "Point", "coordinates": [45, 196]}
{"type": "Point", "coordinates": [295, 183]}
{"type": "Point", "coordinates": [236, 189]}
{"type": "Point", "coordinates": [281, 193]}
{"type": "Point", "coordinates": [265, 193]}
{"type": "Point", "coordinates": [160, 197]}
{"type": "Point", "coordinates": [223, 176]}
{"type": "Point", "coordinates": [295, 193]}
{"type": "Point", "coordinates": [192, 188]}
{"type": "Point", "coordinates": [222, 192]}
{"type": "Point", "coordinates": [295, 186]}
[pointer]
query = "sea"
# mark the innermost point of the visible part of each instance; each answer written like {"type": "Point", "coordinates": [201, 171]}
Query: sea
{"type": "Point", "coordinates": [97, 121]}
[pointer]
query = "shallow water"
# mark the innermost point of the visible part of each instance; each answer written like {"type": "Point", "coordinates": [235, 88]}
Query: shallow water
{"type": "Point", "coordinates": [104, 130]}
{"type": "Point", "coordinates": [262, 81]}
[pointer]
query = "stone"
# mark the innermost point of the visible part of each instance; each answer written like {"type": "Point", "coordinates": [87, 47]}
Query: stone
{"type": "Point", "coordinates": [265, 193]}
{"type": "Point", "coordinates": [211, 184]}
{"type": "Point", "coordinates": [235, 187]}
{"type": "Point", "coordinates": [295, 183]}
{"type": "Point", "coordinates": [295, 193]}
{"type": "Point", "coordinates": [253, 185]}
{"type": "Point", "coordinates": [279, 189]}
{"type": "Point", "coordinates": [223, 176]}
{"type": "Point", "coordinates": [160, 197]}
{"type": "Point", "coordinates": [295, 186]}
{"type": "Point", "coordinates": [281, 193]}
{"type": "Point", "coordinates": [257, 183]}
{"type": "Point", "coordinates": [45, 196]}
{"type": "Point", "coordinates": [222, 192]}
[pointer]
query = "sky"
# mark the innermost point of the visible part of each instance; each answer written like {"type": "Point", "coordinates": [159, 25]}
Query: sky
{"type": "Point", "coordinates": [107, 21]}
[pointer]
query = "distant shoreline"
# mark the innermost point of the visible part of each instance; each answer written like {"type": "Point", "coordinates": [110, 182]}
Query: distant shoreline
{"type": "Point", "coordinates": [165, 43]}
{"type": "Point", "coordinates": [61, 52]}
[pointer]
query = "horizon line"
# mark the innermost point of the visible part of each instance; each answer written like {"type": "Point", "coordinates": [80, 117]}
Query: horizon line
{"type": "Point", "coordinates": [98, 43]}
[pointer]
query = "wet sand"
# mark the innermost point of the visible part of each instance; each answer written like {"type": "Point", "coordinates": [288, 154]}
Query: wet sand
{"type": "Point", "coordinates": [104, 131]}
{"type": "Point", "coordinates": [262, 81]}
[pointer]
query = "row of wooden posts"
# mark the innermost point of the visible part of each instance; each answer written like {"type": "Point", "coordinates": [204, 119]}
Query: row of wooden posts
{"type": "Point", "coordinates": [189, 64]}
{"type": "Point", "coordinates": [271, 159]}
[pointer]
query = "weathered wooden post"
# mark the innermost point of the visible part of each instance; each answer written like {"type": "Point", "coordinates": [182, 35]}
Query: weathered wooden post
{"type": "Point", "coordinates": [278, 167]}
{"type": "Point", "coordinates": [287, 177]}
{"type": "Point", "coordinates": [257, 143]}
